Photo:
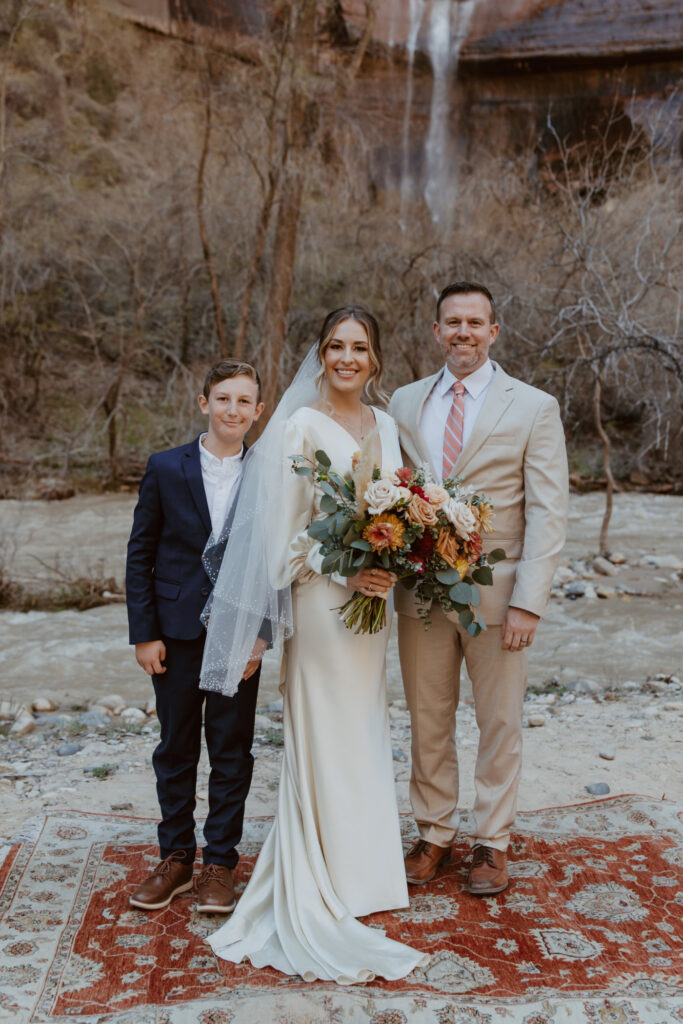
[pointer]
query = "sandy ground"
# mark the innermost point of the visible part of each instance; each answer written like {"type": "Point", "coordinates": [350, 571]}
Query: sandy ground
{"type": "Point", "coordinates": [620, 726]}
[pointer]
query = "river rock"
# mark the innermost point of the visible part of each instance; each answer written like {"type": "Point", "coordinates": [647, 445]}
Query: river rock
{"type": "Point", "coordinates": [43, 704]}
{"type": "Point", "coordinates": [584, 686]}
{"type": "Point", "coordinates": [275, 706]}
{"type": "Point", "coordinates": [133, 715]}
{"type": "Point", "coordinates": [398, 754]}
{"type": "Point", "coordinates": [663, 561]}
{"type": "Point", "coordinates": [605, 592]}
{"type": "Point", "coordinates": [674, 705]}
{"type": "Point", "coordinates": [113, 702]}
{"type": "Point", "coordinates": [151, 706]}
{"type": "Point", "coordinates": [67, 749]}
{"type": "Point", "coordinates": [575, 589]}
{"type": "Point", "coordinates": [604, 567]}
{"type": "Point", "coordinates": [590, 592]}
{"type": "Point", "coordinates": [8, 710]}
{"type": "Point", "coordinates": [24, 723]}
{"type": "Point", "coordinates": [597, 789]}
{"type": "Point", "coordinates": [263, 723]}
{"type": "Point", "coordinates": [616, 558]}
{"type": "Point", "coordinates": [537, 720]}
{"type": "Point", "coordinates": [606, 755]}
{"type": "Point", "coordinates": [563, 574]}
{"type": "Point", "coordinates": [94, 720]}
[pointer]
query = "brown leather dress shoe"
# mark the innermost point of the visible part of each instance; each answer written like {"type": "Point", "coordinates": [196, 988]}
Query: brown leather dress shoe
{"type": "Point", "coordinates": [171, 877]}
{"type": "Point", "coordinates": [423, 859]}
{"type": "Point", "coordinates": [489, 871]}
{"type": "Point", "coordinates": [215, 891]}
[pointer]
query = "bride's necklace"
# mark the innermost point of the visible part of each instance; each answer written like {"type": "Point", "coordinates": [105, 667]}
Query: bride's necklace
{"type": "Point", "coordinates": [357, 432]}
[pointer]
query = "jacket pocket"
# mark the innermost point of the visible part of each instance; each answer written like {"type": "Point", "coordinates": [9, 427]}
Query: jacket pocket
{"type": "Point", "coordinates": [166, 589]}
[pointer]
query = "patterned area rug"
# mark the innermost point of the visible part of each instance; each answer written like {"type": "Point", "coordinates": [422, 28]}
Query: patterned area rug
{"type": "Point", "coordinates": [589, 930]}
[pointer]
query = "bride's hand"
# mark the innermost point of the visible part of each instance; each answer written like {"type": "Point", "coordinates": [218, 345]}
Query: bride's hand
{"type": "Point", "coordinates": [372, 582]}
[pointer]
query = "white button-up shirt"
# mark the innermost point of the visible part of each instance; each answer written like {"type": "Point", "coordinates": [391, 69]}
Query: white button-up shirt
{"type": "Point", "coordinates": [437, 407]}
{"type": "Point", "coordinates": [220, 478]}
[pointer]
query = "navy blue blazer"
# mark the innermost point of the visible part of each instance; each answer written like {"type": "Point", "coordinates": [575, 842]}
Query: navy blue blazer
{"type": "Point", "coordinates": [166, 585]}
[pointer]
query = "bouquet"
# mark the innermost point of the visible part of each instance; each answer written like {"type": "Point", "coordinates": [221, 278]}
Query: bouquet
{"type": "Point", "coordinates": [427, 534]}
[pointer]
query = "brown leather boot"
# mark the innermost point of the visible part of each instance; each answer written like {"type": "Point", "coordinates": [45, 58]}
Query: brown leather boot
{"type": "Point", "coordinates": [423, 859]}
{"type": "Point", "coordinates": [215, 891]}
{"type": "Point", "coordinates": [171, 877]}
{"type": "Point", "coordinates": [489, 871]}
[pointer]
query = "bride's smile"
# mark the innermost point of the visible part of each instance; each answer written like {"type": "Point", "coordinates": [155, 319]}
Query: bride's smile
{"type": "Point", "coordinates": [347, 359]}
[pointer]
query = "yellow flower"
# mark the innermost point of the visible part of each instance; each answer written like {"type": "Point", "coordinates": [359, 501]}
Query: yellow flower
{"type": "Point", "coordinates": [384, 531]}
{"type": "Point", "coordinates": [484, 513]}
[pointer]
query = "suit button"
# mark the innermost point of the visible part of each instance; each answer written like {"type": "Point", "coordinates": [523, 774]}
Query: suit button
{"type": "Point", "coordinates": [205, 592]}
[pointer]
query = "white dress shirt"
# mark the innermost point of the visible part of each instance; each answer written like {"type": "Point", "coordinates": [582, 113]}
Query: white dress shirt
{"type": "Point", "coordinates": [220, 478]}
{"type": "Point", "coordinates": [438, 405]}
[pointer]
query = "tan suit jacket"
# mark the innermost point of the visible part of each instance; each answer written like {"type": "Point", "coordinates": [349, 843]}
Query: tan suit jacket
{"type": "Point", "coordinates": [516, 455]}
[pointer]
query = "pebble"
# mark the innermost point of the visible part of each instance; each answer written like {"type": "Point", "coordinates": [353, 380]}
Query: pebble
{"type": "Point", "coordinates": [263, 722]}
{"type": "Point", "coordinates": [8, 709]}
{"type": "Point", "coordinates": [276, 706]}
{"type": "Point", "coordinates": [24, 723]}
{"type": "Point", "coordinates": [590, 593]}
{"type": "Point", "coordinates": [537, 720]}
{"type": "Point", "coordinates": [607, 755]}
{"type": "Point", "coordinates": [616, 558]}
{"type": "Point", "coordinates": [94, 720]}
{"type": "Point", "coordinates": [674, 705]}
{"type": "Point", "coordinates": [121, 807]}
{"type": "Point", "coordinates": [112, 701]}
{"type": "Point", "coordinates": [604, 567]}
{"type": "Point", "coordinates": [398, 754]}
{"type": "Point", "coordinates": [67, 749]}
{"type": "Point", "coordinates": [397, 714]}
{"type": "Point", "coordinates": [663, 561]}
{"type": "Point", "coordinates": [574, 590]}
{"type": "Point", "coordinates": [133, 715]}
{"type": "Point", "coordinates": [43, 704]}
{"type": "Point", "coordinates": [151, 707]}
{"type": "Point", "coordinates": [605, 592]}
{"type": "Point", "coordinates": [583, 686]}
{"type": "Point", "coordinates": [563, 574]}
{"type": "Point", "coordinates": [597, 789]}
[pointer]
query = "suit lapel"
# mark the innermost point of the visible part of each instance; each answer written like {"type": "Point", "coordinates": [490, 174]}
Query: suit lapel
{"type": "Point", "coordinates": [192, 468]}
{"type": "Point", "coordinates": [499, 396]}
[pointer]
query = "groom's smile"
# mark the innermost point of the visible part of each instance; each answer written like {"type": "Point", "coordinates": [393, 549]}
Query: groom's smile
{"type": "Point", "coordinates": [464, 332]}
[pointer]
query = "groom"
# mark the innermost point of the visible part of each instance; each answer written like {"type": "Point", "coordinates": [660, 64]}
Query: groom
{"type": "Point", "coordinates": [504, 439]}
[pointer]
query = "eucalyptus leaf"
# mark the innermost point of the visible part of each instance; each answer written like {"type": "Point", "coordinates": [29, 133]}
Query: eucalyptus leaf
{"type": "Point", "coordinates": [497, 555]}
{"type": "Point", "coordinates": [323, 458]}
{"type": "Point", "coordinates": [461, 592]}
{"type": "Point", "coordinates": [362, 545]}
{"type": "Point", "coordinates": [341, 524]}
{"type": "Point", "coordinates": [474, 629]}
{"type": "Point", "coordinates": [448, 576]}
{"type": "Point", "coordinates": [319, 529]}
{"type": "Point", "coordinates": [475, 597]}
{"type": "Point", "coordinates": [384, 558]}
{"type": "Point", "coordinates": [330, 562]}
{"type": "Point", "coordinates": [466, 617]}
{"type": "Point", "coordinates": [483, 576]}
{"type": "Point", "coordinates": [328, 504]}
{"type": "Point", "coordinates": [303, 470]}
{"type": "Point", "coordinates": [328, 488]}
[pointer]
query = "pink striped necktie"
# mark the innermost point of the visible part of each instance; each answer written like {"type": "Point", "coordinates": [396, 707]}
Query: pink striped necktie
{"type": "Point", "coordinates": [452, 438]}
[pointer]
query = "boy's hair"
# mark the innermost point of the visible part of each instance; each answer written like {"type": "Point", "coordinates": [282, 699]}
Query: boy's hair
{"type": "Point", "coordinates": [228, 368]}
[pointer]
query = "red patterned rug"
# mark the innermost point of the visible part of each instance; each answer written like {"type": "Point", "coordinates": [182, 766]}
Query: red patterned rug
{"type": "Point", "coordinates": [589, 930]}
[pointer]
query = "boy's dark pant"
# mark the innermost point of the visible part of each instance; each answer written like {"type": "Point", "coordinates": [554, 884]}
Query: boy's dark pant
{"type": "Point", "coordinates": [229, 731]}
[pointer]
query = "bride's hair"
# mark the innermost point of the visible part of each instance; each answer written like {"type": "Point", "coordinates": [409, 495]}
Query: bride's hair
{"type": "Point", "coordinates": [373, 388]}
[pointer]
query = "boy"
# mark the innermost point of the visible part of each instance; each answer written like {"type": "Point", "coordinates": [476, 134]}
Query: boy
{"type": "Point", "coordinates": [185, 494]}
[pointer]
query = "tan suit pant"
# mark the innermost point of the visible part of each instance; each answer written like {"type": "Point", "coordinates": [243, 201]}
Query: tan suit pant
{"type": "Point", "coordinates": [430, 663]}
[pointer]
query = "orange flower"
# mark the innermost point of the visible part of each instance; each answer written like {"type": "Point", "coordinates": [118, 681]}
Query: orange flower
{"type": "Point", "coordinates": [420, 511]}
{"type": "Point", "coordinates": [384, 531]}
{"type": "Point", "coordinates": [449, 547]}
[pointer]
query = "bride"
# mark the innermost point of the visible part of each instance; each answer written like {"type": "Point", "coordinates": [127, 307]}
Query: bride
{"type": "Point", "coordinates": [334, 851]}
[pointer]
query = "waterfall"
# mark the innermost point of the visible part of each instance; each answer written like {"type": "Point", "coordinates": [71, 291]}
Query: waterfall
{"type": "Point", "coordinates": [416, 9]}
{"type": "Point", "coordinates": [448, 26]}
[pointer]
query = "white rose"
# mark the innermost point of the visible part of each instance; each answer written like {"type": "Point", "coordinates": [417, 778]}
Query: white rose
{"type": "Point", "coordinates": [381, 495]}
{"type": "Point", "coordinates": [404, 494]}
{"type": "Point", "coordinates": [437, 496]}
{"type": "Point", "coordinates": [460, 514]}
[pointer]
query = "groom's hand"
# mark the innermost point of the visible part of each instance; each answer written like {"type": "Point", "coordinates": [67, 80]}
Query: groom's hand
{"type": "Point", "coordinates": [255, 660]}
{"type": "Point", "coordinates": [519, 629]}
{"type": "Point", "coordinates": [150, 655]}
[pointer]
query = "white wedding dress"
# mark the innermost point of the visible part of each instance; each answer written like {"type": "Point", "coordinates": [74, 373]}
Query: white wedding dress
{"type": "Point", "coordinates": [334, 851]}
